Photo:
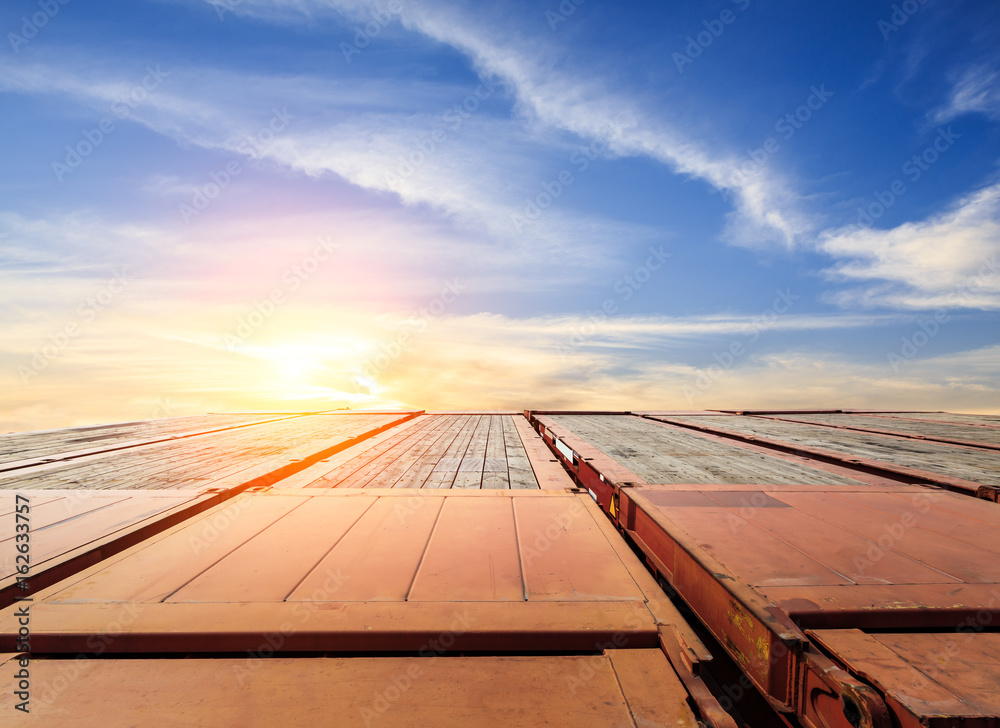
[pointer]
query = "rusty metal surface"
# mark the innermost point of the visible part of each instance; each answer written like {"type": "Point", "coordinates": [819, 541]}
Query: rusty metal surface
{"type": "Point", "coordinates": [386, 571]}
{"type": "Point", "coordinates": [927, 679]}
{"type": "Point", "coordinates": [834, 597]}
{"type": "Point", "coordinates": [617, 688]}
{"type": "Point", "coordinates": [793, 543]}
{"type": "Point", "coordinates": [760, 564]}
{"type": "Point", "coordinates": [752, 563]}
{"type": "Point", "coordinates": [533, 569]}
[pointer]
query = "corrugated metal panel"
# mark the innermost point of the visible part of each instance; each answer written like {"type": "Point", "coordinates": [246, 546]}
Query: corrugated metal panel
{"type": "Point", "coordinates": [70, 530]}
{"type": "Point", "coordinates": [615, 689]}
{"type": "Point", "coordinates": [382, 569]}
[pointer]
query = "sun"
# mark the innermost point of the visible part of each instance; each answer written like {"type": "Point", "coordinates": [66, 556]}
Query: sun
{"type": "Point", "coordinates": [293, 368]}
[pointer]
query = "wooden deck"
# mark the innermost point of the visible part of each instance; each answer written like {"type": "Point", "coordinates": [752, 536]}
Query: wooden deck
{"type": "Point", "coordinates": [478, 451]}
{"type": "Point", "coordinates": [220, 456]}
{"type": "Point", "coordinates": [29, 446]}
{"type": "Point", "coordinates": [981, 466]}
{"type": "Point", "coordinates": [661, 454]}
{"type": "Point", "coordinates": [976, 435]}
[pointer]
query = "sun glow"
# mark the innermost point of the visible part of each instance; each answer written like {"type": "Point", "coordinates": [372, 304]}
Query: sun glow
{"type": "Point", "coordinates": [325, 374]}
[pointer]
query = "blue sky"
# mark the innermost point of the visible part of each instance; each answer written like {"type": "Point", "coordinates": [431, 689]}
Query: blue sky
{"type": "Point", "coordinates": [299, 204]}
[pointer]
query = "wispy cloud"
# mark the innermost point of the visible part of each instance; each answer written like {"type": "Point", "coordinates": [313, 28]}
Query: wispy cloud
{"type": "Point", "coordinates": [976, 91]}
{"type": "Point", "coordinates": [399, 139]}
{"type": "Point", "coordinates": [949, 260]}
{"type": "Point", "coordinates": [587, 105]}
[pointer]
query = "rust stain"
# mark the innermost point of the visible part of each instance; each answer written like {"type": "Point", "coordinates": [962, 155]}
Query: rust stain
{"type": "Point", "coordinates": [736, 652]}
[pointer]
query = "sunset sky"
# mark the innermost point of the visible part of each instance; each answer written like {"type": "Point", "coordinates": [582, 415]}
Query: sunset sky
{"type": "Point", "coordinates": [259, 205]}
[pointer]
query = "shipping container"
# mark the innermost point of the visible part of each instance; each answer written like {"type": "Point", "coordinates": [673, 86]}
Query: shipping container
{"type": "Point", "coordinates": [860, 602]}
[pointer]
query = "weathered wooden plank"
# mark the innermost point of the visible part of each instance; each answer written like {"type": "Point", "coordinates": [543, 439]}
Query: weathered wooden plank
{"type": "Point", "coordinates": [548, 472]}
{"type": "Point", "coordinates": [495, 467]}
{"type": "Point", "coordinates": [443, 474]}
{"type": "Point", "coordinates": [955, 433]}
{"type": "Point", "coordinates": [981, 466]}
{"type": "Point", "coordinates": [367, 466]}
{"type": "Point", "coordinates": [470, 470]}
{"type": "Point", "coordinates": [672, 455]}
{"type": "Point", "coordinates": [402, 462]}
{"type": "Point", "coordinates": [446, 431]}
{"type": "Point", "coordinates": [518, 466]}
{"type": "Point", "coordinates": [317, 472]}
{"type": "Point", "coordinates": [197, 463]}
{"type": "Point", "coordinates": [56, 443]}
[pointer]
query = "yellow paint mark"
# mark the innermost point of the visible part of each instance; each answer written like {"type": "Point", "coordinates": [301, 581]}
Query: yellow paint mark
{"type": "Point", "coordinates": [741, 619]}
{"type": "Point", "coordinates": [763, 648]}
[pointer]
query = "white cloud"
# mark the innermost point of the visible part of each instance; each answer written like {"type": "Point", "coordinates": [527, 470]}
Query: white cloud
{"type": "Point", "coordinates": [949, 260]}
{"type": "Point", "coordinates": [976, 91]}
{"type": "Point", "coordinates": [585, 105]}
{"type": "Point", "coordinates": [376, 135]}
{"type": "Point", "coordinates": [306, 357]}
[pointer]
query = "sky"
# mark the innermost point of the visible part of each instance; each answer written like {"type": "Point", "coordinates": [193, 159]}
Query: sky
{"type": "Point", "coordinates": [300, 205]}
